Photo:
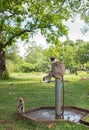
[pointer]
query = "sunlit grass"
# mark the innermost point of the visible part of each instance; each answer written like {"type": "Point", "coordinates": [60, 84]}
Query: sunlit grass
{"type": "Point", "coordinates": [37, 93]}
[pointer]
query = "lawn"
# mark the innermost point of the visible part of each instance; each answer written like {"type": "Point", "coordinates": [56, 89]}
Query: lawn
{"type": "Point", "coordinates": [37, 93]}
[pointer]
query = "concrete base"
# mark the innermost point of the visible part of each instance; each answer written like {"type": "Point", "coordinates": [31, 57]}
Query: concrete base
{"type": "Point", "coordinates": [47, 114]}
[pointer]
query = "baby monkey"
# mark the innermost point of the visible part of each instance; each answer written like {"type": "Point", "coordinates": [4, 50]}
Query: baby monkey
{"type": "Point", "coordinates": [21, 105]}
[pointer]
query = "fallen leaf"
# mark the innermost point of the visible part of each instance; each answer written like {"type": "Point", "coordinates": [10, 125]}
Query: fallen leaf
{"type": "Point", "coordinates": [51, 125]}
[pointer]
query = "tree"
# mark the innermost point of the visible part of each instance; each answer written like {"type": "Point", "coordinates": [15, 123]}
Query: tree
{"type": "Point", "coordinates": [83, 52]}
{"type": "Point", "coordinates": [23, 18]}
{"type": "Point", "coordinates": [33, 53]}
{"type": "Point", "coordinates": [13, 58]}
{"type": "Point", "coordinates": [34, 56]}
{"type": "Point", "coordinates": [69, 53]}
{"type": "Point", "coordinates": [75, 53]}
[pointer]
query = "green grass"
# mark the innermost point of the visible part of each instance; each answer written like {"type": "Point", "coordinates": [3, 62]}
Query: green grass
{"type": "Point", "coordinates": [37, 93]}
{"type": "Point", "coordinates": [87, 118]}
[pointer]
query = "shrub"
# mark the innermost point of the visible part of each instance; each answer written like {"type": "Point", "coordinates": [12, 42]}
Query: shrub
{"type": "Point", "coordinates": [26, 67]}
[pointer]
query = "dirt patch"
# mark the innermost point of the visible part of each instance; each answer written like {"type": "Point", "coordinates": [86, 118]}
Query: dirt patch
{"type": "Point", "coordinates": [84, 79]}
{"type": "Point", "coordinates": [4, 121]}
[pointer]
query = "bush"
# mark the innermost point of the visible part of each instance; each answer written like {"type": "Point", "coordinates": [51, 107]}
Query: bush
{"type": "Point", "coordinates": [5, 75]}
{"type": "Point", "coordinates": [26, 67]}
{"type": "Point", "coordinates": [10, 66]}
{"type": "Point", "coordinates": [87, 65]}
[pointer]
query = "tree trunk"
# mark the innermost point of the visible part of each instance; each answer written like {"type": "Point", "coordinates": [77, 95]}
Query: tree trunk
{"type": "Point", "coordinates": [2, 63]}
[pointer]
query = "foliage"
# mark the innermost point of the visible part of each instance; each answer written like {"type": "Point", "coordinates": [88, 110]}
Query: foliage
{"type": "Point", "coordinates": [87, 66]}
{"type": "Point", "coordinates": [12, 53]}
{"type": "Point", "coordinates": [75, 53]}
{"type": "Point", "coordinates": [13, 59]}
{"type": "Point", "coordinates": [54, 50]}
{"type": "Point", "coordinates": [36, 58]}
{"type": "Point", "coordinates": [27, 67]}
{"type": "Point", "coordinates": [22, 17]}
{"type": "Point", "coordinates": [83, 52]}
{"type": "Point", "coordinates": [18, 18]}
{"type": "Point", "coordinates": [68, 54]}
{"type": "Point", "coordinates": [5, 75]}
{"type": "Point", "coordinates": [33, 53]}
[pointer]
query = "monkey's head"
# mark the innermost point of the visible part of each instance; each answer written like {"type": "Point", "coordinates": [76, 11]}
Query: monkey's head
{"type": "Point", "coordinates": [21, 99]}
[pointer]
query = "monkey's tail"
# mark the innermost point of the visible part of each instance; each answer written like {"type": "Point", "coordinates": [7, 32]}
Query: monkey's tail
{"type": "Point", "coordinates": [63, 97]}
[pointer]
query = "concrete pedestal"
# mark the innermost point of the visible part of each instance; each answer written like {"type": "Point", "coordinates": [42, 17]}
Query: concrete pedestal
{"type": "Point", "coordinates": [58, 104]}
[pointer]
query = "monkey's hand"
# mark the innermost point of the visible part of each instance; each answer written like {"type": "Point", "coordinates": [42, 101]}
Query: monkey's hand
{"type": "Point", "coordinates": [43, 78]}
{"type": "Point", "coordinates": [46, 79]}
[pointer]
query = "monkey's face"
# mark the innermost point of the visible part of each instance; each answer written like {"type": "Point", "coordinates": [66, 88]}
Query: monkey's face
{"type": "Point", "coordinates": [20, 100]}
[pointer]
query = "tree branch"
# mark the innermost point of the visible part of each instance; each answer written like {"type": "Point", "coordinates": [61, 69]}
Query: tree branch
{"type": "Point", "coordinates": [22, 32]}
{"type": "Point", "coordinates": [12, 37]}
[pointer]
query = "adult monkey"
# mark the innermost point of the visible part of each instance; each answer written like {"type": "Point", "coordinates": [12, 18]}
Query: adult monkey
{"type": "Point", "coordinates": [57, 71]}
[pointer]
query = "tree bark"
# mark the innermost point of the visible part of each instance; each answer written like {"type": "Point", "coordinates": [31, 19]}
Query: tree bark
{"type": "Point", "coordinates": [3, 71]}
{"type": "Point", "coordinates": [2, 63]}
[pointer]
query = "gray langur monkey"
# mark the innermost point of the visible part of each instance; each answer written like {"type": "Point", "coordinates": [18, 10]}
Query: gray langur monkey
{"type": "Point", "coordinates": [57, 70]}
{"type": "Point", "coordinates": [21, 105]}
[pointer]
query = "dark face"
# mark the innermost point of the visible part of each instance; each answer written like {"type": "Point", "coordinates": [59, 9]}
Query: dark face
{"type": "Point", "coordinates": [52, 59]}
{"type": "Point", "coordinates": [20, 100]}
